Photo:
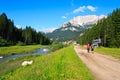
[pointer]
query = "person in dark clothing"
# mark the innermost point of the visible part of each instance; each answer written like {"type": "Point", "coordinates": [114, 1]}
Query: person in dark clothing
{"type": "Point", "coordinates": [92, 48]}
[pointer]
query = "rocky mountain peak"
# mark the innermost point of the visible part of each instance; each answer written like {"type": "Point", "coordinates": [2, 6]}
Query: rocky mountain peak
{"type": "Point", "coordinates": [82, 20]}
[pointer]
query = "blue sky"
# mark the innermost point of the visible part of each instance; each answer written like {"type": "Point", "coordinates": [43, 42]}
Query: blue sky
{"type": "Point", "coordinates": [45, 15]}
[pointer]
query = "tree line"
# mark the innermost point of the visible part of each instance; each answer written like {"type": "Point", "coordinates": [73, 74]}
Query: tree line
{"type": "Point", "coordinates": [11, 35]}
{"type": "Point", "coordinates": [107, 29]}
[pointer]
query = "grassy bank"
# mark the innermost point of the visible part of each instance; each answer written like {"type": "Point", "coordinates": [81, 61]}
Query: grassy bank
{"type": "Point", "coordinates": [18, 49]}
{"type": "Point", "coordinates": [114, 52]}
{"type": "Point", "coordinates": [12, 65]}
{"type": "Point", "coordinates": [62, 64]}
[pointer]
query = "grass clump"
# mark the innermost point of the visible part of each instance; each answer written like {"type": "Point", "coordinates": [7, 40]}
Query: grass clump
{"type": "Point", "coordinates": [62, 64]}
{"type": "Point", "coordinates": [114, 52]}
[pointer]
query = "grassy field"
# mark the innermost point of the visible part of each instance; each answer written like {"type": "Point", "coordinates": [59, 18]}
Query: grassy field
{"type": "Point", "coordinates": [114, 52]}
{"type": "Point", "coordinates": [18, 49]}
{"type": "Point", "coordinates": [62, 64]}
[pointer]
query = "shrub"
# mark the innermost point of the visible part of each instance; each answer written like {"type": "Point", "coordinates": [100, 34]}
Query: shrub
{"type": "Point", "coordinates": [20, 43]}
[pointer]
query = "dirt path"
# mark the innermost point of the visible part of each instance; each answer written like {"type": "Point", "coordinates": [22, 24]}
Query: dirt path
{"type": "Point", "coordinates": [101, 66]}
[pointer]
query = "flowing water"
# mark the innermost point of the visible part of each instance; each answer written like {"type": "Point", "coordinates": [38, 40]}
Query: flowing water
{"type": "Point", "coordinates": [37, 52]}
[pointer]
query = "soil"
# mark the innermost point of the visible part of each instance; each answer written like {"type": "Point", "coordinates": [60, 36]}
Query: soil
{"type": "Point", "coordinates": [102, 67]}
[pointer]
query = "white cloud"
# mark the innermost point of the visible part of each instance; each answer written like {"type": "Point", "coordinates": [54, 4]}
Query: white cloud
{"type": "Point", "coordinates": [91, 8]}
{"type": "Point", "coordinates": [64, 17]}
{"type": "Point", "coordinates": [83, 8]}
{"type": "Point", "coordinates": [80, 9]}
{"type": "Point", "coordinates": [48, 30]}
{"type": "Point", "coordinates": [18, 26]}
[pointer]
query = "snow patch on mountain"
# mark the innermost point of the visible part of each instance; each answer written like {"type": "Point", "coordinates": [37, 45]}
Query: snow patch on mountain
{"type": "Point", "coordinates": [69, 28]}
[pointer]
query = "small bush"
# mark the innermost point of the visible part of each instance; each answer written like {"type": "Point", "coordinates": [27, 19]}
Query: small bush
{"type": "Point", "coordinates": [20, 43]}
{"type": "Point", "coordinates": [3, 42]}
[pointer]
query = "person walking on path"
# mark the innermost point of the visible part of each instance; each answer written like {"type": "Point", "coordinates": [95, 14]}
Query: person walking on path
{"type": "Point", "coordinates": [92, 48]}
{"type": "Point", "coordinates": [88, 48]}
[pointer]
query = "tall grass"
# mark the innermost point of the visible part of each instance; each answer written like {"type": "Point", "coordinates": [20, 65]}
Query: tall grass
{"type": "Point", "coordinates": [62, 64]}
{"type": "Point", "coordinates": [114, 52]}
{"type": "Point", "coordinates": [18, 49]}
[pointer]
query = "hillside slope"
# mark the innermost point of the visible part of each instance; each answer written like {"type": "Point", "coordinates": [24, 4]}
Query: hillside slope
{"type": "Point", "coordinates": [107, 29]}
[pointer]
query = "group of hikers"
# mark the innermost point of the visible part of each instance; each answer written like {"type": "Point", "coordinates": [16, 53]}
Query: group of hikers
{"type": "Point", "coordinates": [90, 47]}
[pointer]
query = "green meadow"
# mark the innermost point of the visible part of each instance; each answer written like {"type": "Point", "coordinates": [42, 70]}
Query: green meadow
{"type": "Point", "coordinates": [62, 64]}
{"type": "Point", "coordinates": [18, 49]}
{"type": "Point", "coordinates": [114, 52]}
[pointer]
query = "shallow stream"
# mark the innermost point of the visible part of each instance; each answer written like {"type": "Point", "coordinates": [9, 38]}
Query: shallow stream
{"type": "Point", "coordinates": [37, 52]}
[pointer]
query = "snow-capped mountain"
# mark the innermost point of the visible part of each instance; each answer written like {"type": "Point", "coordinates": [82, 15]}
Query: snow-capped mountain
{"type": "Point", "coordinates": [72, 29]}
{"type": "Point", "coordinates": [82, 20]}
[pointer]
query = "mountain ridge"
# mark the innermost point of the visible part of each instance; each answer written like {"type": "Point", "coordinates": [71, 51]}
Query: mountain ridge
{"type": "Point", "coordinates": [81, 20]}
{"type": "Point", "coordinates": [72, 29]}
